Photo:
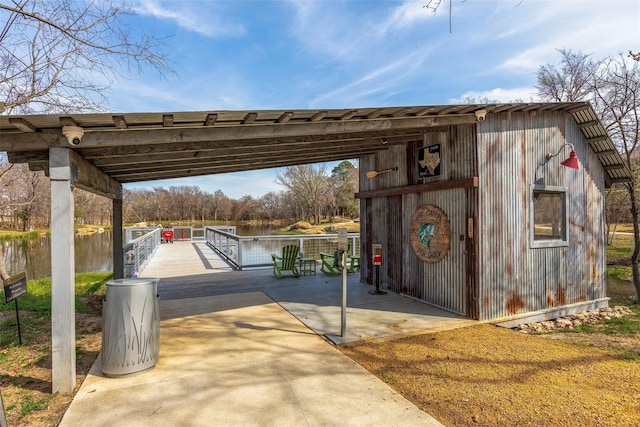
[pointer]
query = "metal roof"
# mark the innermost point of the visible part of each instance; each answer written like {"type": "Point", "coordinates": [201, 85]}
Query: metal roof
{"type": "Point", "coordinates": [133, 147]}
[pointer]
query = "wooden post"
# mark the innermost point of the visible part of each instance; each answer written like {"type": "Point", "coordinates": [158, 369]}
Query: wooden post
{"type": "Point", "coordinates": [118, 251]}
{"type": "Point", "coordinates": [63, 321]}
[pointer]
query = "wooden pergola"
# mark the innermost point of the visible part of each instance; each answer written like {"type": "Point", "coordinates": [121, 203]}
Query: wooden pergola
{"type": "Point", "coordinates": [100, 152]}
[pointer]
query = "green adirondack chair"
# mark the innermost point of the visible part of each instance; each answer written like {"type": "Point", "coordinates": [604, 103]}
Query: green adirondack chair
{"type": "Point", "coordinates": [287, 262]}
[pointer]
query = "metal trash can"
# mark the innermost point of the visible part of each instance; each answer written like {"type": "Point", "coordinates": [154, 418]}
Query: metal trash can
{"type": "Point", "coordinates": [130, 327]}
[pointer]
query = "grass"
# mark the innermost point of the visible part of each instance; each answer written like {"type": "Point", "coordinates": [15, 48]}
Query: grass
{"type": "Point", "coordinates": [351, 226]}
{"type": "Point", "coordinates": [627, 325]}
{"type": "Point", "coordinates": [25, 370]}
{"type": "Point", "coordinates": [22, 235]}
{"type": "Point", "coordinates": [28, 404]}
{"type": "Point", "coordinates": [37, 300]}
{"type": "Point", "coordinates": [35, 310]}
{"type": "Point", "coordinates": [618, 257]}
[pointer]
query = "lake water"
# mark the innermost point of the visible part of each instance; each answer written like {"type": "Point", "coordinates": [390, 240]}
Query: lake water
{"type": "Point", "coordinates": [93, 253]}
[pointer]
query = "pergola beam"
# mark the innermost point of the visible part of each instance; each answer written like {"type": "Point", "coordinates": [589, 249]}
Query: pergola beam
{"type": "Point", "coordinates": [89, 178]}
{"type": "Point", "coordinates": [221, 146]}
{"type": "Point", "coordinates": [213, 160]}
{"type": "Point", "coordinates": [215, 157]}
{"type": "Point", "coordinates": [174, 136]}
{"type": "Point", "coordinates": [186, 171]}
{"type": "Point", "coordinates": [258, 131]}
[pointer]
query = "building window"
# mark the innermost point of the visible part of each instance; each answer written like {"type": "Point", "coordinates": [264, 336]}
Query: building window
{"type": "Point", "coordinates": [548, 216]}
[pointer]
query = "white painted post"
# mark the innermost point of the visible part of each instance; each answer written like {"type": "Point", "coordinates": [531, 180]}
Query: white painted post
{"type": "Point", "coordinates": [63, 320]}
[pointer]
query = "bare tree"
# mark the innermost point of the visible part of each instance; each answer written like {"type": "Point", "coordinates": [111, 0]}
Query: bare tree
{"type": "Point", "coordinates": [617, 210]}
{"type": "Point", "coordinates": [91, 208]}
{"type": "Point", "coordinates": [569, 81]}
{"type": "Point", "coordinates": [613, 87]}
{"type": "Point", "coordinates": [19, 189]}
{"type": "Point", "coordinates": [272, 204]}
{"type": "Point", "coordinates": [52, 50]}
{"type": "Point", "coordinates": [220, 203]}
{"type": "Point", "coordinates": [435, 5]}
{"type": "Point", "coordinates": [309, 185]}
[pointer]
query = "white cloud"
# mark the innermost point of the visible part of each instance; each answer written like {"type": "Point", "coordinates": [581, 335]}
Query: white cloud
{"type": "Point", "coordinates": [327, 31]}
{"type": "Point", "coordinates": [502, 95]}
{"type": "Point", "coordinates": [592, 27]}
{"type": "Point", "coordinates": [196, 93]}
{"type": "Point", "coordinates": [378, 81]}
{"type": "Point", "coordinates": [407, 14]}
{"type": "Point", "coordinates": [199, 19]}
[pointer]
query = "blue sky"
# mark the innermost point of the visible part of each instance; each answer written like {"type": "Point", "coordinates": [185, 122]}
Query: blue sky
{"type": "Point", "coordinates": [262, 54]}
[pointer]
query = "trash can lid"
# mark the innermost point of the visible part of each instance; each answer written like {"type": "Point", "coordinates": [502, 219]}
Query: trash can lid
{"type": "Point", "coordinates": [131, 282]}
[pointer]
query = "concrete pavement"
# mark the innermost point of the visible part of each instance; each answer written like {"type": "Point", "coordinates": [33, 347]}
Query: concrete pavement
{"type": "Point", "coordinates": [241, 360]}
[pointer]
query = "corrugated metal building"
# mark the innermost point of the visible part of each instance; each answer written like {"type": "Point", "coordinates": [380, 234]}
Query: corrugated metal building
{"type": "Point", "coordinates": [474, 219]}
{"type": "Point", "coordinates": [483, 219]}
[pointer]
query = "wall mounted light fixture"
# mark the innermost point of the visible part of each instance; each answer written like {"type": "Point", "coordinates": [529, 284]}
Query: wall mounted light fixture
{"type": "Point", "coordinates": [373, 174]}
{"type": "Point", "coordinates": [572, 160]}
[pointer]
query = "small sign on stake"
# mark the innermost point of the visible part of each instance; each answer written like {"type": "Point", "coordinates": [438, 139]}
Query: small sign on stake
{"type": "Point", "coordinates": [15, 287]}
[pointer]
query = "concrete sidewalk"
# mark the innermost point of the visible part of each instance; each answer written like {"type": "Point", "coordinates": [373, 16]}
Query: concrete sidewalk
{"type": "Point", "coordinates": [241, 360]}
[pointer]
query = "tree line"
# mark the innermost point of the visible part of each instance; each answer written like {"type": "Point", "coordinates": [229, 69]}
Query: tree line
{"type": "Point", "coordinates": [311, 194]}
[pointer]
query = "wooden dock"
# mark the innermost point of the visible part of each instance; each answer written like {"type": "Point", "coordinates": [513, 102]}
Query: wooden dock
{"type": "Point", "coordinates": [193, 270]}
{"type": "Point", "coordinates": [184, 258]}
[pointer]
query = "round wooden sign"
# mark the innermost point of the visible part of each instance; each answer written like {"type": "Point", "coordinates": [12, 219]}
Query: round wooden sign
{"type": "Point", "coordinates": [430, 233]}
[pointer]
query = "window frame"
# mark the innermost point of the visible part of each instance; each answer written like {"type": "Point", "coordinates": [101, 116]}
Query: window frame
{"type": "Point", "coordinates": [549, 243]}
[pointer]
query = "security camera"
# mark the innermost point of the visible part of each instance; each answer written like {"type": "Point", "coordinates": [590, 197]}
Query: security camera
{"type": "Point", "coordinates": [74, 134]}
{"type": "Point", "coordinates": [481, 115]}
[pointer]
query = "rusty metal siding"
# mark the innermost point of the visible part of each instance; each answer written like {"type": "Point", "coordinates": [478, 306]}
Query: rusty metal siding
{"type": "Point", "coordinates": [412, 159]}
{"type": "Point", "coordinates": [496, 273]}
{"type": "Point", "coordinates": [458, 152]}
{"type": "Point", "coordinates": [389, 220]}
{"type": "Point", "coordinates": [502, 215]}
{"type": "Point", "coordinates": [444, 283]}
{"type": "Point", "coordinates": [365, 240]}
{"type": "Point", "coordinates": [412, 282]}
{"type": "Point", "coordinates": [586, 225]}
{"type": "Point", "coordinates": [515, 278]}
{"type": "Point", "coordinates": [378, 228]}
{"type": "Point", "coordinates": [395, 156]}
{"type": "Point", "coordinates": [471, 252]}
{"type": "Point", "coordinates": [396, 240]}
{"type": "Point", "coordinates": [463, 160]}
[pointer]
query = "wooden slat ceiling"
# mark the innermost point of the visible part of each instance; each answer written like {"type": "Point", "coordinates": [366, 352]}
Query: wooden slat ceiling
{"type": "Point", "coordinates": [134, 147]}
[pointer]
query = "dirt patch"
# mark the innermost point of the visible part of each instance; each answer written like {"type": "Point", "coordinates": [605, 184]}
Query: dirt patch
{"type": "Point", "coordinates": [491, 376]}
{"type": "Point", "coordinates": [26, 384]}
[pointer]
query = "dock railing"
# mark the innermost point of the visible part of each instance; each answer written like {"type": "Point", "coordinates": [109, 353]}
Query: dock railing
{"type": "Point", "coordinates": [255, 251]}
{"type": "Point", "coordinates": [139, 250]}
